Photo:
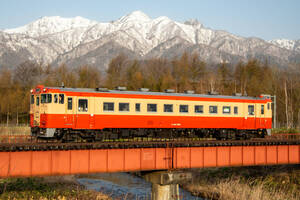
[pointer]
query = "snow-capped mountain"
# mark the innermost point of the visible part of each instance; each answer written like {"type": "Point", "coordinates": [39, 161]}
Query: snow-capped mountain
{"type": "Point", "coordinates": [78, 41]}
{"type": "Point", "coordinates": [293, 45]}
{"type": "Point", "coordinates": [50, 25]}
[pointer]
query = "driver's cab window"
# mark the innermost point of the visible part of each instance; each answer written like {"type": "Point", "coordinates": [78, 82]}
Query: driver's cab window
{"type": "Point", "coordinates": [32, 99]}
{"type": "Point", "coordinates": [37, 100]}
{"type": "Point", "coordinates": [83, 105]}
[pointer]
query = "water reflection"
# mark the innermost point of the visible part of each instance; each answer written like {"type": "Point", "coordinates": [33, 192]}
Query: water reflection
{"type": "Point", "coordinates": [123, 186]}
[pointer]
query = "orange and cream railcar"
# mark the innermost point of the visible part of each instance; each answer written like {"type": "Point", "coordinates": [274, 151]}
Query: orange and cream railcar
{"type": "Point", "coordinates": [57, 111]}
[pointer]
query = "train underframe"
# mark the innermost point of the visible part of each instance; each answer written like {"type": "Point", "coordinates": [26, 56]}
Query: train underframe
{"type": "Point", "coordinates": [90, 135]}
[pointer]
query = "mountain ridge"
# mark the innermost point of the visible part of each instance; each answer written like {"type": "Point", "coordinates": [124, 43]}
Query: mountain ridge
{"type": "Point", "coordinates": [58, 40]}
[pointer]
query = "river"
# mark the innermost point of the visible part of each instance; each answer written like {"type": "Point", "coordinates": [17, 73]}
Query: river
{"type": "Point", "coordinates": [124, 186]}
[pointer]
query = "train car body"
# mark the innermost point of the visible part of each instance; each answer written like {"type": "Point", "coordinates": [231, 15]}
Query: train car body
{"type": "Point", "coordinates": [54, 110]}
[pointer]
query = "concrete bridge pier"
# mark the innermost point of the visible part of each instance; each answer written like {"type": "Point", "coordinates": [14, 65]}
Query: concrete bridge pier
{"type": "Point", "coordinates": [165, 192]}
{"type": "Point", "coordinates": [165, 184]}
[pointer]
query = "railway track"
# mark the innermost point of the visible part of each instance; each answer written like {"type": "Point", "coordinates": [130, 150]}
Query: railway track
{"type": "Point", "coordinates": [34, 146]}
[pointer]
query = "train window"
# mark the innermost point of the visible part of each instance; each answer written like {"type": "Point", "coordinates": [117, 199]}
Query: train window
{"type": "Point", "coordinates": [168, 108]}
{"type": "Point", "coordinates": [251, 110]}
{"type": "Point", "coordinates": [32, 99]}
{"type": "Point", "coordinates": [151, 107]}
{"type": "Point", "coordinates": [46, 98]}
{"type": "Point", "coordinates": [137, 107]}
{"type": "Point", "coordinates": [123, 106]}
{"type": "Point", "coordinates": [236, 110]}
{"type": "Point", "coordinates": [213, 109]}
{"type": "Point", "coordinates": [226, 110]}
{"type": "Point", "coordinates": [268, 106]}
{"type": "Point", "coordinates": [70, 103]}
{"type": "Point", "coordinates": [55, 98]}
{"type": "Point", "coordinates": [37, 101]}
{"type": "Point", "coordinates": [198, 109]}
{"type": "Point", "coordinates": [61, 98]}
{"type": "Point", "coordinates": [184, 108]}
{"type": "Point", "coordinates": [108, 106]}
{"type": "Point", "coordinates": [82, 105]}
{"type": "Point", "coordinates": [262, 110]}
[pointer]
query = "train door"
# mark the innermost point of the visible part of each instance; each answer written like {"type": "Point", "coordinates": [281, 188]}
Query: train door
{"type": "Point", "coordinates": [42, 105]}
{"type": "Point", "coordinates": [69, 116]}
{"type": "Point", "coordinates": [32, 109]}
{"type": "Point", "coordinates": [244, 114]}
{"type": "Point", "coordinates": [255, 116]}
{"type": "Point", "coordinates": [251, 118]}
{"type": "Point", "coordinates": [85, 118]}
{"type": "Point", "coordinates": [82, 113]}
{"type": "Point", "coordinates": [36, 112]}
{"type": "Point", "coordinates": [92, 112]}
{"type": "Point", "coordinates": [261, 117]}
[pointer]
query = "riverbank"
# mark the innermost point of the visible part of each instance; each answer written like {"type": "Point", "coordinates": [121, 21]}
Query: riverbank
{"type": "Point", "coordinates": [247, 183]}
{"type": "Point", "coordinates": [62, 188]}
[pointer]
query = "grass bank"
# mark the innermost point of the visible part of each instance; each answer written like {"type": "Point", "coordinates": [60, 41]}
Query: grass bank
{"type": "Point", "coordinates": [247, 183]}
{"type": "Point", "coordinates": [14, 130]}
{"type": "Point", "coordinates": [285, 130]}
{"type": "Point", "coordinates": [61, 188]}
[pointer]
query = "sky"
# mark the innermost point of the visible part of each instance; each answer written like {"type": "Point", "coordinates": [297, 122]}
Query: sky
{"type": "Point", "coordinates": [266, 19]}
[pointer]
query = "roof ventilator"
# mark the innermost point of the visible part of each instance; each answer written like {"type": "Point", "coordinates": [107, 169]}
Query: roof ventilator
{"type": "Point", "coordinates": [237, 94]}
{"type": "Point", "coordinates": [169, 90]}
{"type": "Point", "coordinates": [102, 89]}
{"type": "Point", "coordinates": [189, 91]}
{"type": "Point", "coordinates": [144, 89]}
{"type": "Point", "coordinates": [121, 88]}
{"type": "Point", "coordinates": [213, 93]}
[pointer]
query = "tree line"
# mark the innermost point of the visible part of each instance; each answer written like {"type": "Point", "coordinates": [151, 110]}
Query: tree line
{"type": "Point", "coordinates": [186, 72]}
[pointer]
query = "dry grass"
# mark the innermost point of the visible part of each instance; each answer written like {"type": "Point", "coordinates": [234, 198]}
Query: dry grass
{"type": "Point", "coordinates": [252, 183]}
{"type": "Point", "coordinates": [237, 190]}
{"type": "Point", "coordinates": [14, 130]}
{"type": "Point", "coordinates": [46, 189]}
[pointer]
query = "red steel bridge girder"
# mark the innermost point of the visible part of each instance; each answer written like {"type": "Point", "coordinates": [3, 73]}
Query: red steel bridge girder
{"type": "Point", "coordinates": [45, 163]}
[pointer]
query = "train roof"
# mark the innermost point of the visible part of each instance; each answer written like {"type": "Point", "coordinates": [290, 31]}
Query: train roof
{"type": "Point", "coordinates": [149, 93]}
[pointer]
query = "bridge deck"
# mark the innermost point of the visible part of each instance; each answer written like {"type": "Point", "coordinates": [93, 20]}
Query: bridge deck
{"type": "Point", "coordinates": [62, 162]}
